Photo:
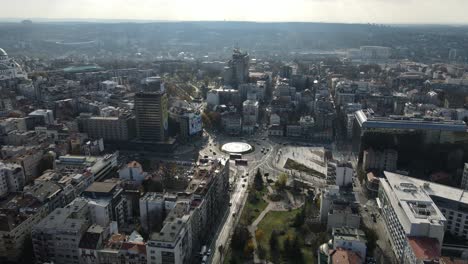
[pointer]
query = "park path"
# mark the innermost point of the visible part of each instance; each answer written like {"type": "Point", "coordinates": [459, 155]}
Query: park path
{"type": "Point", "coordinates": [272, 206]}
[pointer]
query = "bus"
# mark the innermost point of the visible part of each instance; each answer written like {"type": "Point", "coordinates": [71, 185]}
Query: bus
{"type": "Point", "coordinates": [241, 162]}
{"type": "Point", "coordinates": [235, 156]}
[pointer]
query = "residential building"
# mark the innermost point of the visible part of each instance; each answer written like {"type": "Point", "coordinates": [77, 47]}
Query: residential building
{"type": "Point", "coordinates": [11, 178]}
{"type": "Point", "coordinates": [344, 256]}
{"type": "Point", "coordinates": [151, 211]}
{"type": "Point", "coordinates": [106, 203]}
{"type": "Point", "coordinates": [133, 172]}
{"type": "Point", "coordinates": [172, 244]}
{"type": "Point", "coordinates": [18, 215]}
{"type": "Point", "coordinates": [57, 237]}
{"type": "Point", "coordinates": [46, 115]}
{"type": "Point", "coordinates": [109, 128]}
{"type": "Point", "coordinates": [350, 239]}
{"type": "Point", "coordinates": [340, 173]}
{"type": "Point", "coordinates": [338, 208]}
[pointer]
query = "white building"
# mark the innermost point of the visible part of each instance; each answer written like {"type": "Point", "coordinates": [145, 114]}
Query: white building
{"type": "Point", "coordinates": [340, 173]}
{"type": "Point", "coordinates": [250, 111]}
{"type": "Point", "coordinates": [11, 178]}
{"type": "Point", "coordinates": [409, 211]}
{"type": "Point", "coordinates": [171, 244]}
{"type": "Point", "coordinates": [151, 210]}
{"type": "Point", "coordinates": [133, 172]}
{"type": "Point", "coordinates": [375, 52]}
{"type": "Point", "coordinates": [212, 97]}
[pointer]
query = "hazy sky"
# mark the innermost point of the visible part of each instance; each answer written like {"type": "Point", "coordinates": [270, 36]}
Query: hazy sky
{"type": "Point", "coordinates": [361, 11]}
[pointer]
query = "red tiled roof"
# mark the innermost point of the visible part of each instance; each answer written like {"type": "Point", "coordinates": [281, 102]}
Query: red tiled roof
{"type": "Point", "coordinates": [134, 164]}
{"type": "Point", "coordinates": [343, 256]}
{"type": "Point", "coordinates": [138, 248]}
{"type": "Point", "coordinates": [425, 248]}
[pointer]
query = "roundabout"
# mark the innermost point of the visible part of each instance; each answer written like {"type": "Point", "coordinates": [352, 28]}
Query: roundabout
{"type": "Point", "coordinates": [236, 147]}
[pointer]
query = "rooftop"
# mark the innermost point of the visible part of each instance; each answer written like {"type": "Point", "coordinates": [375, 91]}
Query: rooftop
{"type": "Point", "coordinates": [411, 202]}
{"type": "Point", "coordinates": [425, 248]}
{"type": "Point", "coordinates": [101, 187]}
{"type": "Point", "coordinates": [343, 256]}
{"type": "Point", "coordinates": [349, 234]}
{"type": "Point", "coordinates": [367, 119]}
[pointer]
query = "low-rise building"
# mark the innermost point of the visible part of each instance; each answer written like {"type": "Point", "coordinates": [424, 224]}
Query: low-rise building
{"type": "Point", "coordinates": [338, 208]}
{"type": "Point", "coordinates": [133, 172]}
{"type": "Point", "coordinates": [351, 239]}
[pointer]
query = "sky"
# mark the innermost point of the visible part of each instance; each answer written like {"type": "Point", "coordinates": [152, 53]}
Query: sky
{"type": "Point", "coordinates": [346, 11]}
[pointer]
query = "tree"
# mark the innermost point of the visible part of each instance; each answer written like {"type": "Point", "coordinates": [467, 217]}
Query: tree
{"type": "Point", "coordinates": [240, 235]}
{"type": "Point", "coordinates": [300, 217]}
{"type": "Point", "coordinates": [296, 252]}
{"type": "Point", "coordinates": [259, 234]}
{"type": "Point", "coordinates": [287, 244]}
{"type": "Point", "coordinates": [274, 245]}
{"type": "Point", "coordinates": [206, 120]}
{"type": "Point", "coordinates": [261, 252]}
{"type": "Point", "coordinates": [258, 181]}
{"type": "Point", "coordinates": [249, 248]}
{"type": "Point", "coordinates": [281, 181]}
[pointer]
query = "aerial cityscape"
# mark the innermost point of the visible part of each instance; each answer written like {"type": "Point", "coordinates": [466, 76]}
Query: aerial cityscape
{"type": "Point", "coordinates": [179, 142]}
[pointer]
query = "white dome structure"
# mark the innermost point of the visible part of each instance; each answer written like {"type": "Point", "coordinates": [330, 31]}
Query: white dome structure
{"type": "Point", "coordinates": [9, 69]}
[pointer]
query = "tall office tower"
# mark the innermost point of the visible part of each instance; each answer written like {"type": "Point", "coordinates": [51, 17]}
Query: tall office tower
{"type": "Point", "coordinates": [151, 111]}
{"type": "Point", "coordinates": [237, 71]}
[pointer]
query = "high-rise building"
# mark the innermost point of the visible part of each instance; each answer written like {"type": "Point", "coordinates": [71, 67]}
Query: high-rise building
{"type": "Point", "coordinates": [237, 71]}
{"type": "Point", "coordinates": [409, 211]}
{"type": "Point", "coordinates": [151, 111]}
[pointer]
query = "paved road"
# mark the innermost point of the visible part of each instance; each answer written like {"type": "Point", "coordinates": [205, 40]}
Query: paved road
{"type": "Point", "coordinates": [239, 194]}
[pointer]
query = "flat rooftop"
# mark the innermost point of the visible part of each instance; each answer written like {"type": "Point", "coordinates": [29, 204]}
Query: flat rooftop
{"type": "Point", "coordinates": [101, 187]}
{"type": "Point", "coordinates": [432, 189]}
{"type": "Point", "coordinates": [366, 119]}
{"type": "Point", "coordinates": [412, 204]}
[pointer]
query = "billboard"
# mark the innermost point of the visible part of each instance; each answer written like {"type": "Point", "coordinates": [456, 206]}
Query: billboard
{"type": "Point", "coordinates": [195, 124]}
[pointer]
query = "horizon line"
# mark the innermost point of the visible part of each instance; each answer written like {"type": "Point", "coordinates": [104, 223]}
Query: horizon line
{"type": "Point", "coordinates": [131, 20]}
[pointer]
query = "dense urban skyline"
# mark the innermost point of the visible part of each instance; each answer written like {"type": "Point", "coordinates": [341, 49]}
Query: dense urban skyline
{"type": "Point", "coordinates": [342, 11]}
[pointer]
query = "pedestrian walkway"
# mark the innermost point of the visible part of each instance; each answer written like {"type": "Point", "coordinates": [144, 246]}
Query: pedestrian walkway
{"type": "Point", "coordinates": [272, 206]}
